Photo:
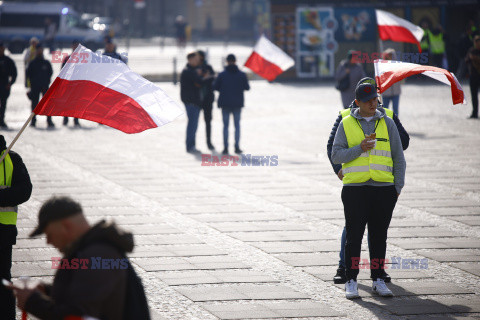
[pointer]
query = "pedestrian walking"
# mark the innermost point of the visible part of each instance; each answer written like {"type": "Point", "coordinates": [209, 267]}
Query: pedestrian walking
{"type": "Point", "coordinates": [181, 31]}
{"type": "Point", "coordinates": [29, 56]}
{"type": "Point", "coordinates": [49, 34]}
{"type": "Point", "coordinates": [473, 62]}
{"type": "Point", "coordinates": [231, 83]}
{"type": "Point", "coordinates": [39, 72]}
{"type": "Point", "coordinates": [76, 123]}
{"type": "Point", "coordinates": [191, 83]}
{"type": "Point", "coordinates": [94, 277]}
{"type": "Point", "coordinates": [368, 146]}
{"type": "Point", "coordinates": [340, 276]}
{"type": "Point", "coordinates": [392, 94]}
{"type": "Point", "coordinates": [15, 189]}
{"type": "Point", "coordinates": [207, 96]}
{"type": "Point", "coordinates": [348, 73]}
{"type": "Point", "coordinates": [8, 75]}
{"type": "Point", "coordinates": [436, 39]}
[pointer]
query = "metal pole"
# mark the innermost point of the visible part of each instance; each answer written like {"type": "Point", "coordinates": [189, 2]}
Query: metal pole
{"type": "Point", "coordinates": [174, 70]}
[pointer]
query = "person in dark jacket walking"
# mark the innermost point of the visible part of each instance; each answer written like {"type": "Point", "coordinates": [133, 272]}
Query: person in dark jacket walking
{"type": "Point", "coordinates": [39, 72]}
{"type": "Point", "coordinates": [15, 189]}
{"type": "Point", "coordinates": [230, 84]}
{"type": "Point", "coordinates": [91, 278]}
{"type": "Point", "coordinates": [8, 75]}
{"type": "Point", "coordinates": [473, 62]}
{"type": "Point", "coordinates": [76, 123]}
{"type": "Point", "coordinates": [191, 83]}
{"type": "Point", "coordinates": [207, 96]}
{"type": "Point", "coordinates": [340, 276]}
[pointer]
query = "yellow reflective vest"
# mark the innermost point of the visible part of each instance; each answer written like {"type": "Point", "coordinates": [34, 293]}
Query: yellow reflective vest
{"type": "Point", "coordinates": [8, 215]}
{"type": "Point", "coordinates": [347, 112]}
{"type": "Point", "coordinates": [437, 45]}
{"type": "Point", "coordinates": [376, 164]}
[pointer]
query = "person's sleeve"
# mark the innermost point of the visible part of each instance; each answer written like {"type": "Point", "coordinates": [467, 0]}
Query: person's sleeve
{"type": "Point", "coordinates": [21, 188]}
{"type": "Point", "coordinates": [336, 167]}
{"type": "Point", "coordinates": [13, 72]}
{"type": "Point", "coordinates": [216, 83]}
{"type": "Point", "coordinates": [50, 70]}
{"type": "Point", "coordinates": [404, 137]}
{"type": "Point", "coordinates": [247, 86]}
{"type": "Point", "coordinates": [87, 291]}
{"type": "Point", "coordinates": [399, 164]}
{"type": "Point", "coordinates": [341, 153]}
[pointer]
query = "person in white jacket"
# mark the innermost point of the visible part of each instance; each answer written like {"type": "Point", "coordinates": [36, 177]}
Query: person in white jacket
{"type": "Point", "coordinates": [392, 94]}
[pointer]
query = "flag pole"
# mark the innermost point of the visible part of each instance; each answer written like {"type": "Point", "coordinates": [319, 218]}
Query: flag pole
{"type": "Point", "coordinates": [17, 136]}
{"type": "Point", "coordinates": [375, 66]}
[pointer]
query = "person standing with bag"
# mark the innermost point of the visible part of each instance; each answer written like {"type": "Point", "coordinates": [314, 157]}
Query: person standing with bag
{"type": "Point", "coordinates": [348, 74]}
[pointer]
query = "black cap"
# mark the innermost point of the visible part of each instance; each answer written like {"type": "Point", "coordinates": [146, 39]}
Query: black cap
{"type": "Point", "coordinates": [365, 92]}
{"type": "Point", "coordinates": [231, 58]}
{"type": "Point", "coordinates": [367, 80]}
{"type": "Point", "coordinates": [55, 208]}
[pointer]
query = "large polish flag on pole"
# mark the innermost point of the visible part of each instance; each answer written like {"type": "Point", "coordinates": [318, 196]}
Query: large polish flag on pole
{"type": "Point", "coordinates": [388, 72]}
{"type": "Point", "coordinates": [391, 27]}
{"type": "Point", "coordinates": [102, 89]}
{"type": "Point", "coordinates": [267, 60]}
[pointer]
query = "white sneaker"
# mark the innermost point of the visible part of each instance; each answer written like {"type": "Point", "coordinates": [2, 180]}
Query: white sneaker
{"type": "Point", "coordinates": [351, 289]}
{"type": "Point", "coordinates": [379, 287]}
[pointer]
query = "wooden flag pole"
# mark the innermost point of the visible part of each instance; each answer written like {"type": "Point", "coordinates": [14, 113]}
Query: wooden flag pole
{"type": "Point", "coordinates": [17, 136]}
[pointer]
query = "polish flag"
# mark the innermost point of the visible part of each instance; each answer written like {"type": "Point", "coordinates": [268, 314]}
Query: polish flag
{"type": "Point", "coordinates": [388, 72]}
{"type": "Point", "coordinates": [102, 89]}
{"type": "Point", "coordinates": [267, 60]}
{"type": "Point", "coordinates": [391, 27]}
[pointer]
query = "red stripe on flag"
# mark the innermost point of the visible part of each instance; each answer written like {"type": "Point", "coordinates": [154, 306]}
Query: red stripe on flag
{"type": "Point", "coordinates": [398, 34]}
{"type": "Point", "coordinates": [388, 78]}
{"type": "Point", "coordinates": [262, 67]}
{"type": "Point", "coordinates": [91, 101]}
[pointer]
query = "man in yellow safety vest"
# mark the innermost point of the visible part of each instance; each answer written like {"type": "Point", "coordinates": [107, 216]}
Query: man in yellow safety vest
{"type": "Point", "coordinates": [15, 188]}
{"type": "Point", "coordinates": [368, 146]}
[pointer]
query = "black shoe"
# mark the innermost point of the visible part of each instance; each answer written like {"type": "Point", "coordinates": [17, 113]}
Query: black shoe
{"type": "Point", "coordinates": [473, 117]}
{"type": "Point", "coordinates": [225, 151]}
{"type": "Point", "coordinates": [4, 126]}
{"type": "Point", "coordinates": [386, 277]}
{"type": "Point", "coordinates": [238, 150]}
{"type": "Point", "coordinates": [65, 121]}
{"type": "Point", "coordinates": [193, 151]}
{"type": "Point", "coordinates": [340, 277]}
{"type": "Point", "coordinates": [210, 146]}
{"type": "Point", "coordinates": [51, 126]}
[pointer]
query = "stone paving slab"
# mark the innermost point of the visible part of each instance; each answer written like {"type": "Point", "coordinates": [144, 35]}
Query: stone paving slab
{"type": "Point", "coordinates": [271, 310]}
{"type": "Point", "coordinates": [327, 273]}
{"type": "Point", "coordinates": [395, 223]}
{"type": "Point", "coordinates": [175, 251]}
{"type": "Point", "coordinates": [473, 221]}
{"type": "Point", "coordinates": [241, 292]}
{"type": "Point", "coordinates": [214, 277]}
{"type": "Point", "coordinates": [233, 217]}
{"type": "Point", "coordinates": [189, 263]}
{"type": "Point", "coordinates": [32, 269]}
{"type": "Point", "coordinates": [473, 268]}
{"type": "Point", "coordinates": [424, 287]}
{"type": "Point", "coordinates": [280, 236]}
{"type": "Point", "coordinates": [298, 246]}
{"type": "Point", "coordinates": [451, 255]}
{"type": "Point", "coordinates": [257, 226]}
{"type": "Point", "coordinates": [436, 243]}
{"type": "Point", "coordinates": [309, 259]}
{"type": "Point", "coordinates": [411, 307]}
{"type": "Point", "coordinates": [452, 211]}
{"type": "Point", "coordinates": [442, 317]}
{"type": "Point", "coordinates": [427, 232]}
{"type": "Point", "coordinates": [461, 304]}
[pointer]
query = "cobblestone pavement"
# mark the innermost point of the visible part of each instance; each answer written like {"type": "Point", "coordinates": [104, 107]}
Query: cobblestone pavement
{"type": "Point", "coordinates": [258, 242]}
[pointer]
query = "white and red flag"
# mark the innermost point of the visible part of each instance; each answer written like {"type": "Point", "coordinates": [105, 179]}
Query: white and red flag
{"type": "Point", "coordinates": [391, 27]}
{"type": "Point", "coordinates": [102, 89]}
{"type": "Point", "coordinates": [388, 72]}
{"type": "Point", "coordinates": [267, 60]}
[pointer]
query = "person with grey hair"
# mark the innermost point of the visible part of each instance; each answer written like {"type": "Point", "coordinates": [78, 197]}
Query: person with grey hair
{"type": "Point", "coordinates": [348, 73]}
{"type": "Point", "coordinates": [93, 278]}
{"type": "Point", "coordinates": [15, 189]}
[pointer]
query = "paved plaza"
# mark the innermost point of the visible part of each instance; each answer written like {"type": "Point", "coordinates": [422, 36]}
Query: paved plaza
{"type": "Point", "coordinates": [262, 242]}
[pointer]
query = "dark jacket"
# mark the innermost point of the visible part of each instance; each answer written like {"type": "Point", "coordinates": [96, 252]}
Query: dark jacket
{"type": "Point", "coordinates": [404, 137]}
{"type": "Point", "coordinates": [190, 85]}
{"type": "Point", "coordinates": [99, 293]}
{"type": "Point", "coordinates": [231, 83]}
{"type": "Point", "coordinates": [206, 92]}
{"type": "Point", "coordinates": [39, 72]}
{"type": "Point", "coordinates": [8, 72]}
{"type": "Point", "coordinates": [18, 193]}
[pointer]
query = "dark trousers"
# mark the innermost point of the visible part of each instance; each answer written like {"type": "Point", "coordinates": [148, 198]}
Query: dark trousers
{"type": "Point", "coordinates": [236, 120]}
{"type": "Point", "coordinates": [35, 97]}
{"type": "Point", "coordinates": [207, 114]}
{"type": "Point", "coordinates": [193, 112]}
{"type": "Point", "coordinates": [372, 206]}
{"type": "Point", "coordinates": [474, 84]}
{"type": "Point", "coordinates": [4, 94]}
{"type": "Point", "coordinates": [8, 234]}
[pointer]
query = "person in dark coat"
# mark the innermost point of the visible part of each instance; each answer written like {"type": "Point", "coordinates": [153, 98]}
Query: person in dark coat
{"type": "Point", "coordinates": [39, 72]}
{"type": "Point", "coordinates": [8, 75]}
{"type": "Point", "coordinates": [340, 276]}
{"type": "Point", "coordinates": [230, 84]}
{"type": "Point", "coordinates": [15, 189]}
{"type": "Point", "coordinates": [95, 282]}
{"type": "Point", "coordinates": [76, 123]}
{"type": "Point", "coordinates": [207, 96]}
{"type": "Point", "coordinates": [191, 83]}
{"type": "Point", "coordinates": [473, 62]}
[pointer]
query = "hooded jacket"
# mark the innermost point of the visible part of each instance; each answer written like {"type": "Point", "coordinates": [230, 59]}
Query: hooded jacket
{"type": "Point", "coordinates": [341, 153]}
{"type": "Point", "coordinates": [99, 289]}
{"type": "Point", "coordinates": [231, 83]}
{"type": "Point", "coordinates": [19, 192]}
{"type": "Point", "coordinates": [404, 137]}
